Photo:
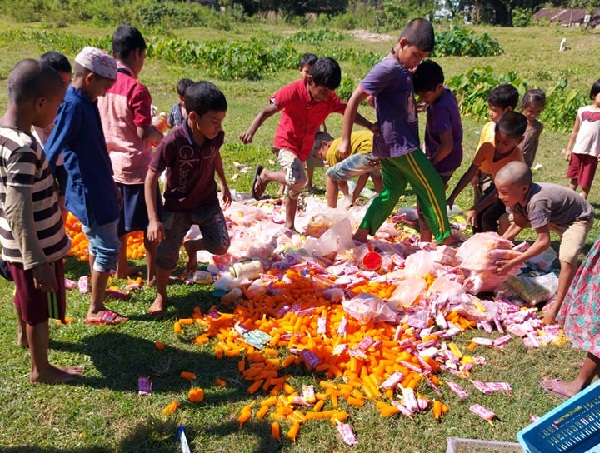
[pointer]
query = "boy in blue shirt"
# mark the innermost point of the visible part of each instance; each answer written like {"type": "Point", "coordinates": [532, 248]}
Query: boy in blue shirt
{"type": "Point", "coordinates": [90, 194]}
{"type": "Point", "coordinates": [397, 144]}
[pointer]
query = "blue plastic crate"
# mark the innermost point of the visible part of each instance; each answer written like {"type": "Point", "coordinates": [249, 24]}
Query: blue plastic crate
{"type": "Point", "coordinates": [572, 427]}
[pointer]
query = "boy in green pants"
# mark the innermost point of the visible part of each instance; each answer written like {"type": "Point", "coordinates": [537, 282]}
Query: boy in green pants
{"type": "Point", "coordinates": [397, 144]}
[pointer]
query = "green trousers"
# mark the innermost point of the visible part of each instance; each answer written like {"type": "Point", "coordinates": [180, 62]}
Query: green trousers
{"type": "Point", "coordinates": [413, 168]}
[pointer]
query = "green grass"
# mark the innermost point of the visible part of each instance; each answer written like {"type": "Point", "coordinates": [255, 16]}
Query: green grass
{"type": "Point", "coordinates": [102, 412]}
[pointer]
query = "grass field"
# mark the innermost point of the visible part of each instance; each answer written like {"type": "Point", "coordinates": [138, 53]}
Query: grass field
{"type": "Point", "coordinates": [102, 413]}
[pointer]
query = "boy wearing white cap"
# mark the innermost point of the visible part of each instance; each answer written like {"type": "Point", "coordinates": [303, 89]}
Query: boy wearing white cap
{"type": "Point", "coordinates": [90, 194]}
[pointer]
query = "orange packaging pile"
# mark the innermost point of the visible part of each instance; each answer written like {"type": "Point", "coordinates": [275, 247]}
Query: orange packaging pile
{"type": "Point", "coordinates": [79, 242]}
{"type": "Point", "coordinates": [358, 363]}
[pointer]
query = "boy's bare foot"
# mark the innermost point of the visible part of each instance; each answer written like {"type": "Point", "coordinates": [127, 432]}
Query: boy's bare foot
{"type": "Point", "coordinates": [192, 254]}
{"type": "Point", "coordinates": [56, 374]}
{"type": "Point", "coordinates": [129, 272]}
{"type": "Point", "coordinates": [158, 306]}
{"type": "Point", "coordinates": [22, 338]}
{"type": "Point", "coordinates": [151, 282]}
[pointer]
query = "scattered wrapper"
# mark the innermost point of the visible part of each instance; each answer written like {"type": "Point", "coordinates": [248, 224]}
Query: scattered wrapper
{"type": "Point", "coordinates": [482, 412]}
{"type": "Point", "coordinates": [345, 431]}
{"type": "Point", "coordinates": [144, 386]}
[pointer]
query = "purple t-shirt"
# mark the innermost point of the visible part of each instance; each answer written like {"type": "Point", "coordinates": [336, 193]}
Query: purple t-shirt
{"type": "Point", "coordinates": [442, 115]}
{"type": "Point", "coordinates": [190, 168]}
{"type": "Point", "coordinates": [391, 84]}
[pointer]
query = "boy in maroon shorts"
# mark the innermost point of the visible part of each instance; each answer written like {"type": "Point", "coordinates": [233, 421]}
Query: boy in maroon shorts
{"type": "Point", "coordinates": [32, 234]}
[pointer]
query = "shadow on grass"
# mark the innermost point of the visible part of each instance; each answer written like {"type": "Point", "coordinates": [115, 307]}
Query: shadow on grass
{"type": "Point", "coordinates": [54, 450]}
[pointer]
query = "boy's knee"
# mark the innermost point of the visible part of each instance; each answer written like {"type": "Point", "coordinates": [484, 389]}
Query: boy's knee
{"type": "Point", "coordinates": [219, 249]}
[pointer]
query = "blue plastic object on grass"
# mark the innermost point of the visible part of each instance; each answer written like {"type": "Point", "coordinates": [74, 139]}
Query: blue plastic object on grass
{"type": "Point", "coordinates": [572, 427]}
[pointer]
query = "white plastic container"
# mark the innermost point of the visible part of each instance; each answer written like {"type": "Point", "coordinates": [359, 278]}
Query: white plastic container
{"type": "Point", "coordinates": [250, 269]}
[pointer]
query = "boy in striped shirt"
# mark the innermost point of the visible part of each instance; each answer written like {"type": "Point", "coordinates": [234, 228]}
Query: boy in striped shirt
{"type": "Point", "coordinates": [32, 234]}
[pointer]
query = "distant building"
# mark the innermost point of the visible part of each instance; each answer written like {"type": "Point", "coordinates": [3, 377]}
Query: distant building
{"type": "Point", "coordinates": [569, 17]}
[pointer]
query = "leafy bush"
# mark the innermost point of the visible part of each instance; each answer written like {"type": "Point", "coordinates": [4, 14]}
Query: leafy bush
{"type": "Point", "coordinates": [316, 36]}
{"type": "Point", "coordinates": [472, 90]}
{"type": "Point", "coordinates": [562, 104]}
{"type": "Point", "coordinates": [522, 17]}
{"type": "Point", "coordinates": [177, 15]}
{"type": "Point", "coordinates": [460, 42]}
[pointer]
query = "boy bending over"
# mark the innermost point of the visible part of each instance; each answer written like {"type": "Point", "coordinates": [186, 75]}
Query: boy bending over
{"type": "Point", "coordinates": [544, 207]}
{"type": "Point", "coordinates": [190, 153]}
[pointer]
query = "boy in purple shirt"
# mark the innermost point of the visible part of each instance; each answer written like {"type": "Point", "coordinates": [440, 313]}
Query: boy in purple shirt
{"type": "Point", "coordinates": [397, 144]}
{"type": "Point", "coordinates": [443, 132]}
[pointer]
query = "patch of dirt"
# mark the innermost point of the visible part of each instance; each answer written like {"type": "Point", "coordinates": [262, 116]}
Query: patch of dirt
{"type": "Point", "coordinates": [365, 35]}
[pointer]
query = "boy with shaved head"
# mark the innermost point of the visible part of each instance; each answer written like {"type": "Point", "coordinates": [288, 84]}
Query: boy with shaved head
{"type": "Point", "coordinates": [32, 234]}
{"type": "Point", "coordinates": [544, 207]}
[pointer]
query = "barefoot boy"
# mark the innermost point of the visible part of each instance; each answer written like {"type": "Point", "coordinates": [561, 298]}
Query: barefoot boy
{"type": "Point", "coordinates": [397, 144]}
{"type": "Point", "coordinates": [190, 153]}
{"type": "Point", "coordinates": [544, 207]}
{"type": "Point", "coordinates": [31, 230]}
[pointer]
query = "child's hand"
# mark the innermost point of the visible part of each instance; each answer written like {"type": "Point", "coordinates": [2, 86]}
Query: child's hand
{"type": "Point", "coordinates": [503, 266]}
{"type": "Point", "coordinates": [44, 278]}
{"type": "Point", "coordinates": [226, 198]}
{"type": "Point", "coordinates": [343, 149]}
{"type": "Point", "coordinates": [568, 155]}
{"type": "Point", "coordinates": [471, 216]}
{"type": "Point", "coordinates": [550, 314]}
{"type": "Point", "coordinates": [246, 137]}
{"type": "Point", "coordinates": [155, 231]}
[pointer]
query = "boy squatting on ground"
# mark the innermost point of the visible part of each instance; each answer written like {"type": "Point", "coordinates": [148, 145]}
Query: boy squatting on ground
{"type": "Point", "coordinates": [304, 105]}
{"type": "Point", "coordinates": [126, 113]}
{"type": "Point", "coordinates": [443, 130]}
{"type": "Point", "coordinates": [190, 153]}
{"type": "Point", "coordinates": [33, 237]}
{"type": "Point", "coordinates": [489, 159]}
{"type": "Point", "coordinates": [359, 163]}
{"type": "Point", "coordinates": [397, 144]}
{"type": "Point", "coordinates": [91, 194]}
{"type": "Point", "coordinates": [545, 207]}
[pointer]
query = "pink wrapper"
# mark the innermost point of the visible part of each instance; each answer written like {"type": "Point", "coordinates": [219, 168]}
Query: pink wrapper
{"type": "Point", "coordinates": [392, 381]}
{"type": "Point", "coordinates": [322, 325]}
{"type": "Point", "coordinates": [308, 394]}
{"type": "Point", "coordinates": [345, 431]}
{"type": "Point", "coordinates": [365, 343]}
{"type": "Point", "coordinates": [501, 341]}
{"type": "Point", "coordinates": [341, 331]}
{"type": "Point", "coordinates": [404, 410]}
{"type": "Point", "coordinates": [482, 387]}
{"type": "Point", "coordinates": [409, 400]}
{"type": "Point", "coordinates": [83, 284]}
{"type": "Point", "coordinates": [499, 386]}
{"type": "Point", "coordinates": [482, 412]}
{"type": "Point", "coordinates": [458, 390]}
{"type": "Point", "coordinates": [339, 349]}
{"type": "Point", "coordinates": [411, 367]}
{"type": "Point", "coordinates": [480, 341]}
{"type": "Point", "coordinates": [70, 284]}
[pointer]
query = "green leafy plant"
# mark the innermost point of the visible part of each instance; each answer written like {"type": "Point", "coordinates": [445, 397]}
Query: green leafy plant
{"type": "Point", "coordinates": [460, 42]}
{"type": "Point", "coordinates": [473, 88]}
{"type": "Point", "coordinates": [316, 36]}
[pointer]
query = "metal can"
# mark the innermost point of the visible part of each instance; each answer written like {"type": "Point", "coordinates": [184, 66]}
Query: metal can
{"type": "Point", "coordinates": [250, 269]}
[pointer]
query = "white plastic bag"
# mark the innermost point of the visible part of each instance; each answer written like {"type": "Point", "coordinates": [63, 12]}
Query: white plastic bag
{"type": "Point", "coordinates": [533, 289]}
{"type": "Point", "coordinates": [366, 307]}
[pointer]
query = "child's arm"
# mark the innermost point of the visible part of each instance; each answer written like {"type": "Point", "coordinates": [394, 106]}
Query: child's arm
{"type": "Point", "coordinates": [221, 175]}
{"type": "Point", "coordinates": [350, 117]}
{"type": "Point", "coordinates": [19, 214]}
{"type": "Point", "coordinates": [573, 138]}
{"type": "Point", "coordinates": [265, 113]}
{"type": "Point", "coordinates": [155, 230]}
{"type": "Point", "coordinates": [445, 148]}
{"type": "Point", "coordinates": [361, 182]}
{"type": "Point", "coordinates": [462, 183]}
{"type": "Point", "coordinates": [542, 242]}
{"type": "Point", "coordinates": [149, 134]}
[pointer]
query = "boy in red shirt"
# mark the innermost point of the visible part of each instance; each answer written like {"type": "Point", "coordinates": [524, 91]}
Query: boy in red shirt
{"type": "Point", "coordinates": [126, 113]}
{"type": "Point", "coordinates": [304, 105]}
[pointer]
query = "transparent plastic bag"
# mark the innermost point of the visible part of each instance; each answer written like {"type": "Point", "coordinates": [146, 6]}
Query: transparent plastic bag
{"type": "Point", "coordinates": [366, 307]}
